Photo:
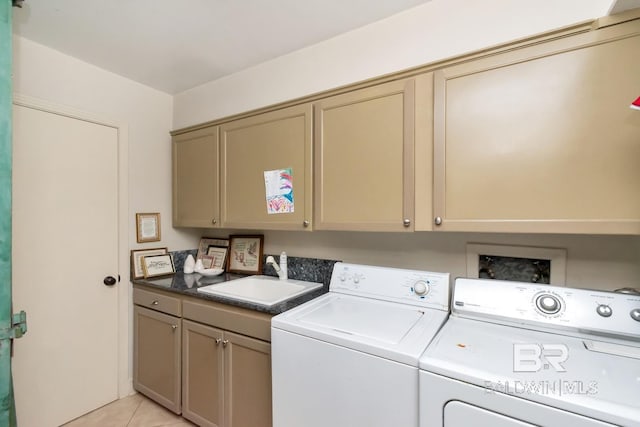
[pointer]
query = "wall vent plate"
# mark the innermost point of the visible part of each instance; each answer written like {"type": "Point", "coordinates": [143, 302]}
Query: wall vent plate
{"type": "Point", "coordinates": [477, 255]}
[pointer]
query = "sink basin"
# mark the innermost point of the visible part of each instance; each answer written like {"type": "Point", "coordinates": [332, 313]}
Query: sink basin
{"type": "Point", "coordinates": [263, 290]}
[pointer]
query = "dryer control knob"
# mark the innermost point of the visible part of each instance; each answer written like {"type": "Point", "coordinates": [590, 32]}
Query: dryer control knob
{"type": "Point", "coordinates": [548, 304]}
{"type": "Point", "coordinates": [421, 288]}
{"type": "Point", "coordinates": [635, 314]}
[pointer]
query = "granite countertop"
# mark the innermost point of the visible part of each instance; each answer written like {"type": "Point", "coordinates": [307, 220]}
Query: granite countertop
{"type": "Point", "coordinates": [188, 284]}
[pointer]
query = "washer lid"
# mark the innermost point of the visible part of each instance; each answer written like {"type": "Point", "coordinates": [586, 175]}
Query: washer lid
{"type": "Point", "coordinates": [369, 319]}
{"type": "Point", "coordinates": [395, 331]}
{"type": "Point", "coordinates": [587, 375]}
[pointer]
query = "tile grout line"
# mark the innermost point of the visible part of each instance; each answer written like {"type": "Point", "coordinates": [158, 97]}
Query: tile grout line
{"type": "Point", "coordinates": [134, 412]}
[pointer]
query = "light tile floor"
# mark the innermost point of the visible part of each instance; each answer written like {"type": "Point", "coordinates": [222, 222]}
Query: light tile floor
{"type": "Point", "coordinates": [131, 411]}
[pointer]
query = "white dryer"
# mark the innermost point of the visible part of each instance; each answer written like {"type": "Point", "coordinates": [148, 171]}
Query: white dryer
{"type": "Point", "coordinates": [350, 357]}
{"type": "Point", "coordinates": [521, 354]}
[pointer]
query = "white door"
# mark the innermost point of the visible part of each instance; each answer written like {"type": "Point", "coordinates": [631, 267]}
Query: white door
{"type": "Point", "coordinates": [65, 242]}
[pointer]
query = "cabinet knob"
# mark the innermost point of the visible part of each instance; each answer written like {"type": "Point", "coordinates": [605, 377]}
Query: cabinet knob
{"type": "Point", "coordinates": [214, 221]}
{"type": "Point", "coordinates": [174, 327]}
{"type": "Point", "coordinates": [406, 222]}
{"type": "Point", "coordinates": [305, 223]}
{"type": "Point", "coordinates": [438, 220]}
{"type": "Point", "coordinates": [155, 302]}
{"type": "Point", "coordinates": [218, 341]}
{"type": "Point", "coordinates": [225, 342]}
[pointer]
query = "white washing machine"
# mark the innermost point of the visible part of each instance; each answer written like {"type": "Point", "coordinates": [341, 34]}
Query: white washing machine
{"type": "Point", "coordinates": [520, 354]}
{"type": "Point", "coordinates": [350, 357]}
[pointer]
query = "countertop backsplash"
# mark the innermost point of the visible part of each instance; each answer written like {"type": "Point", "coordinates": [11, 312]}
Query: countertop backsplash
{"type": "Point", "coordinates": [179, 257]}
{"type": "Point", "coordinates": [308, 269]}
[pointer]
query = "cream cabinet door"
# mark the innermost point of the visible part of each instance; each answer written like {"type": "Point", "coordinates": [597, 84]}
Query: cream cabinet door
{"type": "Point", "coordinates": [247, 381]}
{"type": "Point", "coordinates": [196, 197]}
{"type": "Point", "coordinates": [364, 157]}
{"type": "Point", "coordinates": [202, 374]}
{"type": "Point", "coordinates": [274, 141]}
{"type": "Point", "coordinates": [157, 356]}
{"type": "Point", "coordinates": [542, 139]}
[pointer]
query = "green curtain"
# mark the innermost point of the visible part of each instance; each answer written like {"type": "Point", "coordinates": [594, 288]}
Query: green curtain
{"type": "Point", "coordinates": [7, 404]}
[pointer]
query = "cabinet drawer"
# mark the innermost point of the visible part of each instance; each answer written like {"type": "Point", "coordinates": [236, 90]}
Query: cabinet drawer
{"type": "Point", "coordinates": [156, 301]}
{"type": "Point", "coordinates": [246, 322]}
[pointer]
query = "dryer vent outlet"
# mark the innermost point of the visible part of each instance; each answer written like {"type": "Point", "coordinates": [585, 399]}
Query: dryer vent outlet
{"type": "Point", "coordinates": [513, 268]}
{"type": "Point", "coordinates": [517, 263]}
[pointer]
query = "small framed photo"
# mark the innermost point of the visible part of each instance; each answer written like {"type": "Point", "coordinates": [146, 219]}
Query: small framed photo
{"type": "Point", "coordinates": [205, 242]}
{"type": "Point", "coordinates": [157, 265]}
{"type": "Point", "coordinates": [148, 227]}
{"type": "Point", "coordinates": [245, 254]}
{"type": "Point", "coordinates": [218, 256]}
{"type": "Point", "coordinates": [207, 261]}
{"type": "Point", "coordinates": [136, 259]}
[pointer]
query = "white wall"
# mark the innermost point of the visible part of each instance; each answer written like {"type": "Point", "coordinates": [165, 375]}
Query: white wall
{"type": "Point", "coordinates": [51, 76]}
{"type": "Point", "coordinates": [434, 31]}
{"type": "Point", "coordinates": [595, 262]}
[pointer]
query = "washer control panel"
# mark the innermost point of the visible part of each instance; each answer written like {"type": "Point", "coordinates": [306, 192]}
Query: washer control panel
{"type": "Point", "coordinates": [417, 287]}
{"type": "Point", "coordinates": [551, 306]}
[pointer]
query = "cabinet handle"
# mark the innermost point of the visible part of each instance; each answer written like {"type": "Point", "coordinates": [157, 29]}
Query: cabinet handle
{"type": "Point", "coordinates": [305, 223]}
{"type": "Point", "coordinates": [406, 222]}
{"type": "Point", "coordinates": [225, 342]}
{"type": "Point", "coordinates": [214, 221]}
{"type": "Point", "coordinates": [218, 340]}
{"type": "Point", "coordinates": [174, 327]}
{"type": "Point", "coordinates": [155, 302]}
{"type": "Point", "coordinates": [438, 220]}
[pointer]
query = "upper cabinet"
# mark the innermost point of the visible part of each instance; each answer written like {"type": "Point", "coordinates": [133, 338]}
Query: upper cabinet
{"type": "Point", "coordinates": [541, 139]}
{"type": "Point", "coordinates": [264, 155]}
{"type": "Point", "coordinates": [532, 137]}
{"type": "Point", "coordinates": [365, 144]}
{"type": "Point", "coordinates": [195, 178]}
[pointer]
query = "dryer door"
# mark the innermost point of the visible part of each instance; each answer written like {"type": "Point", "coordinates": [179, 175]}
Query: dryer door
{"type": "Point", "coordinates": [458, 413]}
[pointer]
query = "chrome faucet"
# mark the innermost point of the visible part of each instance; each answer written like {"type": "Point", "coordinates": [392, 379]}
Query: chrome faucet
{"type": "Point", "coordinates": [280, 269]}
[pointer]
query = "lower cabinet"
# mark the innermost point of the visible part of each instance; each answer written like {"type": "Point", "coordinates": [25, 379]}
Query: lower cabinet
{"type": "Point", "coordinates": [226, 378]}
{"type": "Point", "coordinates": [202, 374]}
{"type": "Point", "coordinates": [157, 356]}
{"type": "Point", "coordinates": [208, 361]}
{"type": "Point", "coordinates": [247, 394]}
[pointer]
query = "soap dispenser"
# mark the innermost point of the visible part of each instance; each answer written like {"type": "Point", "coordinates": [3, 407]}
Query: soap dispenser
{"type": "Point", "coordinates": [189, 265]}
{"type": "Point", "coordinates": [283, 265]}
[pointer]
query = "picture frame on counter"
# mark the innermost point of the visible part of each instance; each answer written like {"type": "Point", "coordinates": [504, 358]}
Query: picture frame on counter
{"type": "Point", "coordinates": [205, 242]}
{"type": "Point", "coordinates": [158, 265]}
{"type": "Point", "coordinates": [136, 259]}
{"type": "Point", "coordinates": [148, 227]}
{"type": "Point", "coordinates": [217, 256]}
{"type": "Point", "coordinates": [245, 254]}
{"type": "Point", "coordinates": [207, 261]}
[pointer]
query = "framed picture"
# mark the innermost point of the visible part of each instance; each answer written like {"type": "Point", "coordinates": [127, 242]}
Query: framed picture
{"type": "Point", "coordinates": [218, 256]}
{"type": "Point", "coordinates": [245, 254]}
{"type": "Point", "coordinates": [148, 227]}
{"type": "Point", "coordinates": [205, 242]}
{"type": "Point", "coordinates": [207, 261]}
{"type": "Point", "coordinates": [157, 265]}
{"type": "Point", "coordinates": [136, 260]}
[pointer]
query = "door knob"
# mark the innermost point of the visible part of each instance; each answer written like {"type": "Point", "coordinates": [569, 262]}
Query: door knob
{"type": "Point", "coordinates": [109, 281]}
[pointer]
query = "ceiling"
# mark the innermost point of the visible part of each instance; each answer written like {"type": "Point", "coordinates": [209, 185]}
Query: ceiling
{"type": "Point", "coordinates": [174, 45]}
